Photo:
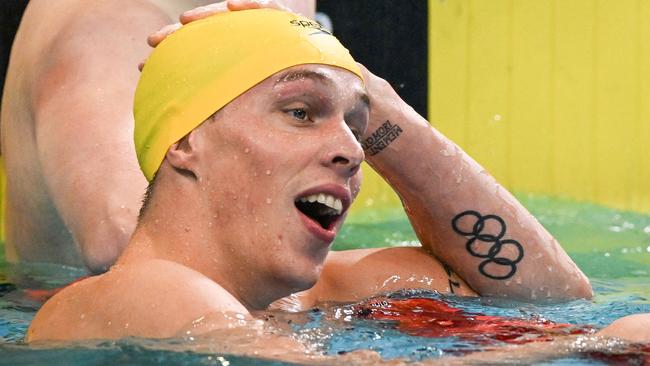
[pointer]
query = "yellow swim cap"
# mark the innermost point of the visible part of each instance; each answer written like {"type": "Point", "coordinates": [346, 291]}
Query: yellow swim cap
{"type": "Point", "coordinates": [206, 64]}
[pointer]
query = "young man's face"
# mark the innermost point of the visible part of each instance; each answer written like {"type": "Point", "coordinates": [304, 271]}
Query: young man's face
{"type": "Point", "coordinates": [290, 140]}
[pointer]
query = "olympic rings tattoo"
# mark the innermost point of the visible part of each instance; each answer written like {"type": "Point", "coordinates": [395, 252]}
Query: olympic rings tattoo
{"type": "Point", "coordinates": [476, 236]}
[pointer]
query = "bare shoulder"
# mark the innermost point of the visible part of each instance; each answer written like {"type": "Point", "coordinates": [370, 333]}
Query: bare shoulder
{"type": "Point", "coordinates": [634, 328]}
{"type": "Point", "coordinates": [353, 275]}
{"type": "Point", "coordinates": [153, 298]}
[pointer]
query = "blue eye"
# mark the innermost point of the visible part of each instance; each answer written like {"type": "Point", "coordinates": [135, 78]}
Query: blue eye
{"type": "Point", "coordinates": [299, 113]}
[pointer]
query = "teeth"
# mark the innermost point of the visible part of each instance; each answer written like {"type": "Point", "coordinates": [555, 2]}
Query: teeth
{"type": "Point", "coordinates": [328, 200]}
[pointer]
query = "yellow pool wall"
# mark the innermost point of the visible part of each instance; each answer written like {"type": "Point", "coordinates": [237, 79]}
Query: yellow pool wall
{"type": "Point", "coordinates": [552, 97]}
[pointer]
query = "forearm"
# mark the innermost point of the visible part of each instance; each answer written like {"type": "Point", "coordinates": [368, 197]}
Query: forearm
{"type": "Point", "coordinates": [462, 215]}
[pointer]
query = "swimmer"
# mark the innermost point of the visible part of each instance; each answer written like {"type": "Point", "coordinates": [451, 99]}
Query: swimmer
{"type": "Point", "coordinates": [253, 163]}
{"type": "Point", "coordinates": [74, 188]}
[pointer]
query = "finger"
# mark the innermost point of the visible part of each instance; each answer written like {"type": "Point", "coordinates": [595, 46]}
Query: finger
{"type": "Point", "coordinates": [255, 4]}
{"type": "Point", "coordinates": [365, 72]}
{"type": "Point", "coordinates": [154, 39]}
{"type": "Point", "coordinates": [203, 12]}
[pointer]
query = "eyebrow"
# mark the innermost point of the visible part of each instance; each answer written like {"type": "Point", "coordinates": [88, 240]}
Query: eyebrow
{"type": "Point", "coordinates": [294, 75]}
{"type": "Point", "coordinates": [302, 74]}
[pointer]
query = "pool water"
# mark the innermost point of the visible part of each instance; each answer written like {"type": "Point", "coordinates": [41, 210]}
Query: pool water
{"type": "Point", "coordinates": [612, 248]}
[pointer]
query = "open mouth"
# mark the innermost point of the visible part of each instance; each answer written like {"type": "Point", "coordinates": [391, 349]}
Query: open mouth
{"type": "Point", "coordinates": [322, 208]}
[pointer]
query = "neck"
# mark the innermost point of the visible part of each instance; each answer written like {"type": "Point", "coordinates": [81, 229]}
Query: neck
{"type": "Point", "coordinates": [180, 226]}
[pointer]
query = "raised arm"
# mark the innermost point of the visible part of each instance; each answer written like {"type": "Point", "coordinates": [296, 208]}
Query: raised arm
{"type": "Point", "coordinates": [460, 213]}
{"type": "Point", "coordinates": [82, 106]}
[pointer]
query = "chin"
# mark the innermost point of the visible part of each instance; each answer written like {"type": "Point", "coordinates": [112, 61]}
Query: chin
{"type": "Point", "coordinates": [300, 280]}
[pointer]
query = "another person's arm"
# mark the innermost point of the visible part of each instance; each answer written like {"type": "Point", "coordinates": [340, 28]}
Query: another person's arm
{"type": "Point", "coordinates": [82, 105]}
{"type": "Point", "coordinates": [460, 213]}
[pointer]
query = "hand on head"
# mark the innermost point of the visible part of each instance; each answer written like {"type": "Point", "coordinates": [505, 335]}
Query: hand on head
{"type": "Point", "coordinates": [205, 11]}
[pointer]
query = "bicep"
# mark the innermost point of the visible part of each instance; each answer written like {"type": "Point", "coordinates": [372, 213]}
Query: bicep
{"type": "Point", "coordinates": [358, 274]}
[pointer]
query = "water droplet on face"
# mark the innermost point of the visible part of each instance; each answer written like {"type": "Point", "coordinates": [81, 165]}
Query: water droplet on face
{"type": "Point", "coordinates": [247, 150]}
{"type": "Point", "coordinates": [268, 172]}
{"type": "Point", "coordinates": [268, 201]}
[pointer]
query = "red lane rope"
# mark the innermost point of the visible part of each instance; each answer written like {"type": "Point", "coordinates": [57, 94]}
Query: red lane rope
{"type": "Point", "coordinates": [424, 317]}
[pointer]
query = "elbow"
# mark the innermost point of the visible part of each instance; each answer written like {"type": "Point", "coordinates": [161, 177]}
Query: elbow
{"type": "Point", "coordinates": [105, 239]}
{"type": "Point", "coordinates": [581, 289]}
{"type": "Point", "coordinates": [585, 291]}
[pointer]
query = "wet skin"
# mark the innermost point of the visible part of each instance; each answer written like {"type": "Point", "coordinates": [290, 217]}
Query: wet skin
{"type": "Point", "coordinates": [293, 135]}
{"type": "Point", "coordinates": [235, 240]}
{"type": "Point", "coordinates": [74, 187]}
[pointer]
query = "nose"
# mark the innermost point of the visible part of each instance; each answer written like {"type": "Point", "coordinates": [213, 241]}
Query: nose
{"type": "Point", "coordinates": [343, 152]}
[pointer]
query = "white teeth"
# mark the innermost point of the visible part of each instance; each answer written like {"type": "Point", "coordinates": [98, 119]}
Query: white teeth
{"type": "Point", "coordinates": [328, 200]}
{"type": "Point", "coordinates": [338, 205]}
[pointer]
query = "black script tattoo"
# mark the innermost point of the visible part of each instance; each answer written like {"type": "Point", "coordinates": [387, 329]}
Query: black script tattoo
{"type": "Point", "coordinates": [477, 248]}
{"type": "Point", "coordinates": [452, 283]}
{"type": "Point", "coordinates": [381, 138]}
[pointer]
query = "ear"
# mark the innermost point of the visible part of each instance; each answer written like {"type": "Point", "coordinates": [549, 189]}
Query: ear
{"type": "Point", "coordinates": [182, 155]}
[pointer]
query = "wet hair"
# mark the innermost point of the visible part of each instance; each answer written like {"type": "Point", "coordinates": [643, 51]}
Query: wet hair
{"type": "Point", "coordinates": [146, 198]}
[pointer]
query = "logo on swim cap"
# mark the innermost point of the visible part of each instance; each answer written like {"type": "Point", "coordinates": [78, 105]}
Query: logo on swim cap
{"type": "Point", "coordinates": [310, 24]}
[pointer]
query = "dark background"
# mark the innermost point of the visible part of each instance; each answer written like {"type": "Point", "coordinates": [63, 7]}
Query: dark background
{"type": "Point", "coordinates": [10, 13]}
{"type": "Point", "coordinates": [388, 37]}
